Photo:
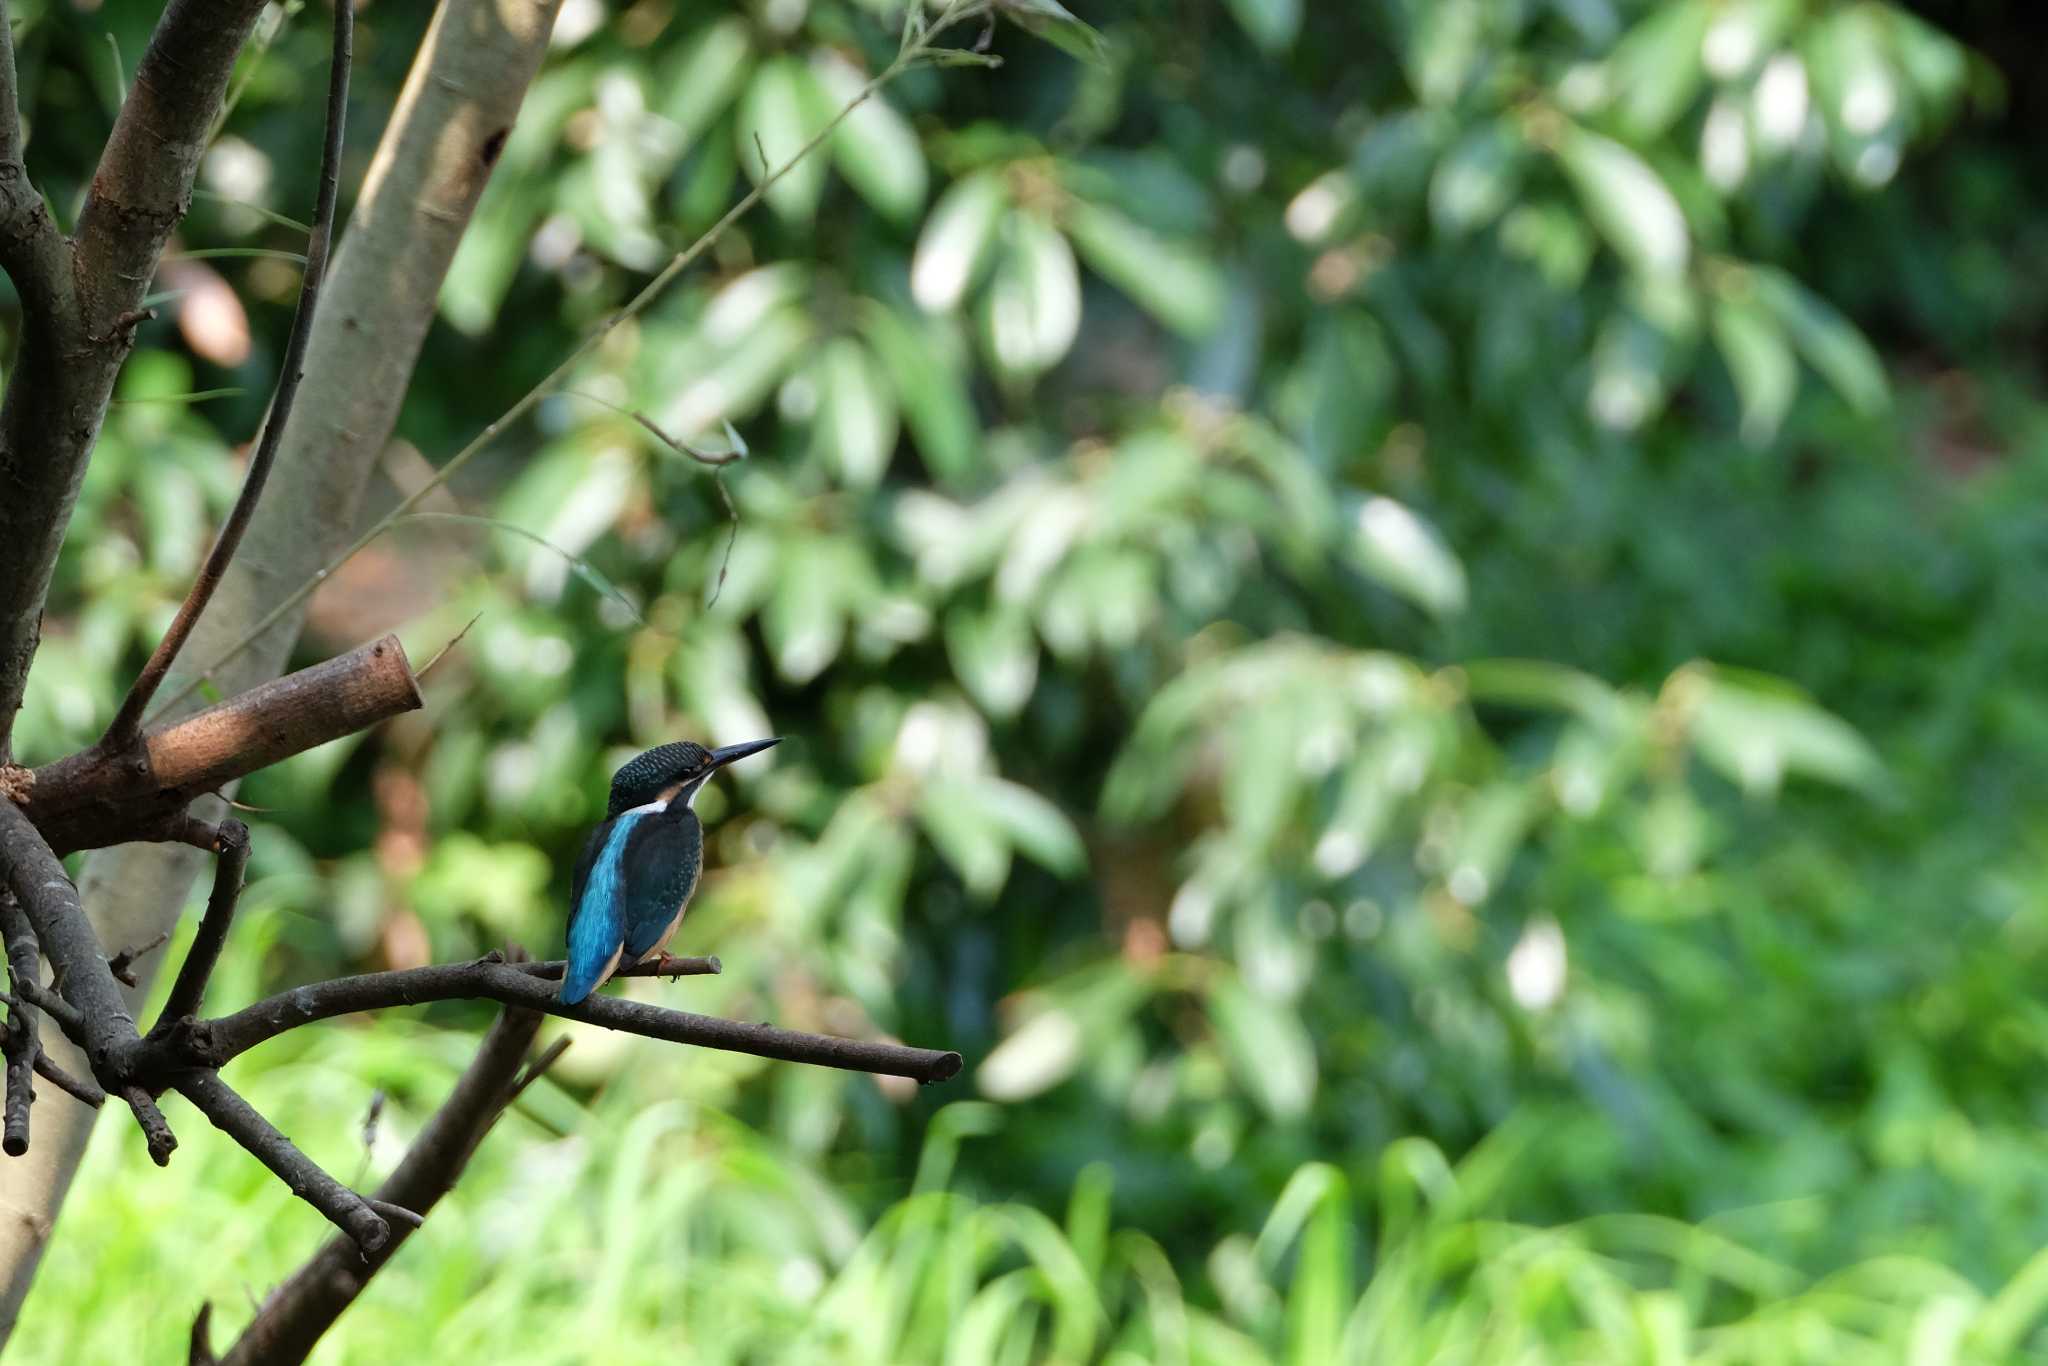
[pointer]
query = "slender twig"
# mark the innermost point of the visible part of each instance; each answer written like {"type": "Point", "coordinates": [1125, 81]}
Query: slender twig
{"type": "Point", "coordinates": [127, 721]}
{"type": "Point", "coordinates": [80, 1090]}
{"type": "Point", "coordinates": [537, 1069]}
{"type": "Point", "coordinates": [239, 1120]}
{"type": "Point", "coordinates": [122, 964]}
{"type": "Point", "coordinates": [428, 667]}
{"type": "Point", "coordinates": [908, 57]}
{"type": "Point", "coordinates": [186, 992]}
{"type": "Point", "coordinates": [35, 996]}
{"type": "Point", "coordinates": [23, 1043]}
{"type": "Point", "coordinates": [156, 1130]}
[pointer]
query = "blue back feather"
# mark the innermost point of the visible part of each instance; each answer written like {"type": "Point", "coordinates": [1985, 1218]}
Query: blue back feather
{"type": "Point", "coordinates": [597, 922]}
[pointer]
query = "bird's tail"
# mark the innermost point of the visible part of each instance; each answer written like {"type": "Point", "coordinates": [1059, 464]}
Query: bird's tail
{"type": "Point", "coordinates": [585, 973]}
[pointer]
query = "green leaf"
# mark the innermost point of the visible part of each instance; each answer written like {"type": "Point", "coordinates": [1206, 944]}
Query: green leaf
{"type": "Point", "coordinates": [1032, 311]}
{"type": "Point", "coordinates": [874, 146]}
{"type": "Point", "coordinates": [741, 376]}
{"type": "Point", "coordinates": [1034, 825]}
{"type": "Point", "coordinates": [1757, 730]}
{"type": "Point", "coordinates": [1056, 24]}
{"type": "Point", "coordinates": [1269, 1051]}
{"type": "Point", "coordinates": [994, 655]}
{"type": "Point", "coordinates": [1627, 201]}
{"type": "Point", "coordinates": [931, 390]}
{"type": "Point", "coordinates": [1172, 281]}
{"type": "Point", "coordinates": [804, 621]}
{"type": "Point", "coordinates": [1538, 684]}
{"type": "Point", "coordinates": [966, 834]}
{"type": "Point", "coordinates": [1654, 72]}
{"type": "Point", "coordinates": [780, 112]}
{"type": "Point", "coordinates": [856, 421]}
{"type": "Point", "coordinates": [1445, 40]}
{"type": "Point", "coordinates": [1829, 342]}
{"type": "Point", "coordinates": [1477, 179]}
{"type": "Point", "coordinates": [956, 239]}
{"type": "Point", "coordinates": [699, 87]}
{"type": "Point", "coordinates": [1272, 24]}
{"type": "Point", "coordinates": [1403, 552]}
{"type": "Point", "coordinates": [1761, 361]}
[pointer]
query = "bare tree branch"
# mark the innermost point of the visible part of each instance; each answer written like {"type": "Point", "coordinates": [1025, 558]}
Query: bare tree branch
{"type": "Point", "coordinates": [128, 719]}
{"type": "Point", "coordinates": [10, 96]}
{"type": "Point", "coordinates": [156, 1130]}
{"type": "Point", "coordinates": [32, 251]}
{"type": "Point", "coordinates": [80, 1090]}
{"type": "Point", "coordinates": [213, 1043]}
{"type": "Point", "coordinates": [23, 1042]}
{"type": "Point", "coordinates": [239, 1120]}
{"type": "Point", "coordinates": [122, 964]}
{"type": "Point", "coordinates": [190, 986]}
{"type": "Point", "coordinates": [95, 797]}
{"type": "Point", "coordinates": [45, 893]}
{"type": "Point", "coordinates": [301, 1309]}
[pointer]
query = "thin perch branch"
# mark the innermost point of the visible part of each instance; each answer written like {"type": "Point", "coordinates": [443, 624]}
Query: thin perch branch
{"type": "Point", "coordinates": [128, 720]}
{"type": "Point", "coordinates": [212, 1043]}
{"type": "Point", "coordinates": [187, 991]}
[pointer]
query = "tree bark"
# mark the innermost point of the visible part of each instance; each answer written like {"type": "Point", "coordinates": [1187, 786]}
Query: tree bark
{"type": "Point", "coordinates": [460, 99]}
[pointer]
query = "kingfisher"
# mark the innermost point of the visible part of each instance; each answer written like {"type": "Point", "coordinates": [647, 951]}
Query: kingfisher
{"type": "Point", "coordinates": [634, 880]}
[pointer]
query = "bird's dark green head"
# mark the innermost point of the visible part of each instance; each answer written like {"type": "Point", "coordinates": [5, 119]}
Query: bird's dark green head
{"type": "Point", "coordinates": [670, 772]}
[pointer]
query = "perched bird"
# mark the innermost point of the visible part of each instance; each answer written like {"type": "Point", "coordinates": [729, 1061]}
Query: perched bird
{"type": "Point", "coordinates": [638, 869]}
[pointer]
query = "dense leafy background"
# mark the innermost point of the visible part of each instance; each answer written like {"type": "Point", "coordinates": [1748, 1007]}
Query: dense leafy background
{"type": "Point", "coordinates": [1414, 624]}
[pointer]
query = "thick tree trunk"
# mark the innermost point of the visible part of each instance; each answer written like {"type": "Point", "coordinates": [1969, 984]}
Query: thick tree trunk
{"type": "Point", "coordinates": [460, 99]}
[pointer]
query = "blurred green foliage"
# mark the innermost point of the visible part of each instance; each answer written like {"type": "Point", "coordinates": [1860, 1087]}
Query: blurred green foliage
{"type": "Point", "coordinates": [1406, 621]}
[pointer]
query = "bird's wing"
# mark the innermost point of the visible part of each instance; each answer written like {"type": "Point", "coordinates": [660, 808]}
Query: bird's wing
{"type": "Point", "coordinates": [597, 913]}
{"type": "Point", "coordinates": [661, 872]}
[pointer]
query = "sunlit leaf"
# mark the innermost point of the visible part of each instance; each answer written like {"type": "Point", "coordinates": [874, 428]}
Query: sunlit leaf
{"type": "Point", "coordinates": [780, 112]}
{"type": "Point", "coordinates": [1403, 552]}
{"type": "Point", "coordinates": [1760, 358]}
{"type": "Point", "coordinates": [856, 422]}
{"type": "Point", "coordinates": [1056, 24]}
{"type": "Point", "coordinates": [930, 389]}
{"type": "Point", "coordinates": [956, 240]}
{"type": "Point", "coordinates": [1170, 280]}
{"type": "Point", "coordinates": [1655, 71]}
{"type": "Point", "coordinates": [1270, 1053]}
{"type": "Point", "coordinates": [706, 77]}
{"type": "Point", "coordinates": [1757, 732]}
{"type": "Point", "coordinates": [994, 655]}
{"type": "Point", "coordinates": [1032, 311]}
{"type": "Point", "coordinates": [875, 148]}
{"type": "Point", "coordinates": [1477, 179]}
{"type": "Point", "coordinates": [1627, 201]}
{"type": "Point", "coordinates": [1829, 342]}
{"type": "Point", "coordinates": [1272, 24]}
{"type": "Point", "coordinates": [805, 619]}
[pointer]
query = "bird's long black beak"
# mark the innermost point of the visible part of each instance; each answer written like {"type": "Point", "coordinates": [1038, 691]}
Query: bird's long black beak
{"type": "Point", "coordinates": [721, 757]}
